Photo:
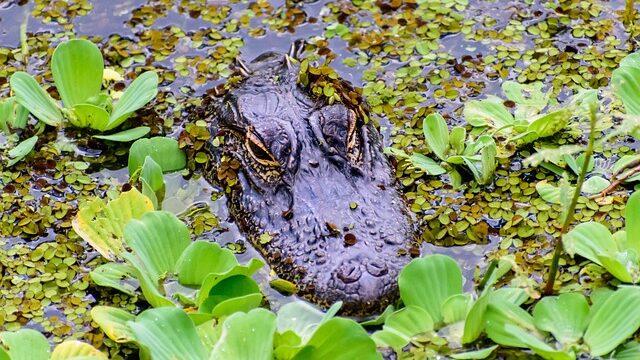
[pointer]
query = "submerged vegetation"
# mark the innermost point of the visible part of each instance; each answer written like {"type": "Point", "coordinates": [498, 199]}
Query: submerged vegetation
{"type": "Point", "coordinates": [514, 132]}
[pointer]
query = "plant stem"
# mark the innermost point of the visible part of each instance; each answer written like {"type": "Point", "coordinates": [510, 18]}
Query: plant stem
{"type": "Point", "coordinates": [574, 201]}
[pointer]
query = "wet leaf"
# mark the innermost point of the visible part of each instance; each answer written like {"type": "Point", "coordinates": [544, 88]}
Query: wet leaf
{"type": "Point", "coordinates": [613, 322]}
{"type": "Point", "coordinates": [101, 225]}
{"type": "Point", "coordinates": [139, 93]}
{"type": "Point", "coordinates": [164, 151]}
{"type": "Point", "coordinates": [565, 316]}
{"type": "Point", "coordinates": [77, 68]}
{"type": "Point", "coordinates": [21, 150]}
{"type": "Point", "coordinates": [76, 350]}
{"type": "Point", "coordinates": [428, 281]}
{"type": "Point", "coordinates": [246, 336]}
{"type": "Point", "coordinates": [436, 135]}
{"type": "Point", "coordinates": [30, 95]}
{"type": "Point", "coordinates": [24, 344]}
{"type": "Point", "coordinates": [126, 135]}
{"type": "Point", "coordinates": [168, 334]}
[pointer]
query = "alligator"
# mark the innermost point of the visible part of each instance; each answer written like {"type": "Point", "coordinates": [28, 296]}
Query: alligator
{"type": "Point", "coordinates": [309, 186]}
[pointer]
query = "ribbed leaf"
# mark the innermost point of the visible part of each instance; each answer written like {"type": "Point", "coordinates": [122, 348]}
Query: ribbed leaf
{"type": "Point", "coordinates": [101, 225]}
{"type": "Point", "coordinates": [500, 314]}
{"type": "Point", "coordinates": [168, 334]}
{"type": "Point", "coordinates": [77, 68]}
{"type": "Point", "coordinates": [126, 135]}
{"type": "Point", "coordinates": [115, 275]}
{"type": "Point", "coordinates": [425, 164]}
{"type": "Point", "coordinates": [202, 258]}
{"type": "Point", "coordinates": [25, 344]}
{"type": "Point", "coordinates": [475, 320]}
{"type": "Point", "coordinates": [30, 95]}
{"type": "Point", "coordinates": [477, 354]}
{"type": "Point", "coordinates": [626, 85]}
{"type": "Point", "coordinates": [21, 150]}
{"type": "Point", "coordinates": [551, 123]}
{"type": "Point", "coordinates": [632, 224]}
{"type": "Point", "coordinates": [89, 115]}
{"type": "Point", "coordinates": [246, 336]}
{"type": "Point", "coordinates": [339, 339]}
{"type": "Point", "coordinates": [164, 151]}
{"type": "Point", "coordinates": [436, 135]}
{"type": "Point", "coordinates": [614, 321]}
{"type": "Point", "coordinates": [233, 294]}
{"type": "Point", "coordinates": [157, 239]}
{"type": "Point", "coordinates": [590, 240]}
{"type": "Point", "coordinates": [403, 325]}
{"type": "Point", "coordinates": [77, 350]}
{"type": "Point", "coordinates": [565, 316]}
{"type": "Point", "coordinates": [489, 112]}
{"type": "Point", "coordinates": [456, 307]}
{"type": "Point", "coordinates": [428, 281]}
{"type": "Point", "coordinates": [140, 91]}
{"type": "Point", "coordinates": [113, 321]}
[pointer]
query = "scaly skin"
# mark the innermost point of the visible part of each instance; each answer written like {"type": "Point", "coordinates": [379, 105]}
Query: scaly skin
{"type": "Point", "coordinates": [321, 189]}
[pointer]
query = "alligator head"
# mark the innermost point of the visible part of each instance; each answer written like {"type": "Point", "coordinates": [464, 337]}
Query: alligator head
{"type": "Point", "coordinates": [311, 188]}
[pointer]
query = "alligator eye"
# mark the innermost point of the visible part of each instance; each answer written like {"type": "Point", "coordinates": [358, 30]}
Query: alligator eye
{"type": "Point", "coordinates": [353, 138]}
{"type": "Point", "coordinates": [258, 151]}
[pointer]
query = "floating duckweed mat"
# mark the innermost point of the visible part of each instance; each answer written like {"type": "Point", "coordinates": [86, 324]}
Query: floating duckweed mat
{"type": "Point", "coordinates": [411, 58]}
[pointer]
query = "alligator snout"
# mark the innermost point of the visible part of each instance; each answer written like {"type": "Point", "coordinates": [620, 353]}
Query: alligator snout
{"type": "Point", "coordinates": [365, 284]}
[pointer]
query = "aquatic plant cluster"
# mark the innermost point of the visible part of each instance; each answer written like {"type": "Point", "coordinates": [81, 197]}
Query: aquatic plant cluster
{"type": "Point", "coordinates": [513, 130]}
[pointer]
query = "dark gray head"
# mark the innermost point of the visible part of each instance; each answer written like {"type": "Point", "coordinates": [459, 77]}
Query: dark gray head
{"type": "Point", "coordinates": [313, 177]}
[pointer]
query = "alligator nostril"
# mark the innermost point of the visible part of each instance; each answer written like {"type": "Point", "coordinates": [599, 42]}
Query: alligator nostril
{"type": "Point", "coordinates": [377, 268]}
{"type": "Point", "coordinates": [349, 273]}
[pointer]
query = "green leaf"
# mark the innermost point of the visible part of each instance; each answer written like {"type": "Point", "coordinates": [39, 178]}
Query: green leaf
{"type": "Point", "coordinates": [89, 115]}
{"type": "Point", "coordinates": [157, 240]}
{"type": "Point", "coordinates": [168, 334]}
{"type": "Point", "coordinates": [565, 316]}
{"type": "Point", "coordinates": [500, 314]}
{"type": "Point", "coordinates": [213, 278]}
{"type": "Point", "coordinates": [164, 151]}
{"type": "Point", "coordinates": [630, 351]}
{"type": "Point", "coordinates": [401, 326]}
{"type": "Point", "coordinates": [614, 321]}
{"type": "Point", "coordinates": [456, 307]}
{"type": "Point", "coordinates": [456, 139]}
{"type": "Point", "coordinates": [77, 350]}
{"type": "Point", "coordinates": [529, 98]}
{"type": "Point", "coordinates": [300, 317]}
{"type": "Point", "coordinates": [632, 217]}
{"type": "Point", "coordinates": [77, 68]}
{"type": "Point", "coordinates": [551, 123]}
{"type": "Point", "coordinates": [477, 354]}
{"type": "Point", "coordinates": [30, 95]}
{"type": "Point", "coordinates": [475, 320]}
{"type": "Point", "coordinates": [436, 135]}
{"type": "Point", "coordinates": [152, 174]}
{"type": "Point", "coordinates": [139, 93]}
{"type": "Point", "coordinates": [115, 275]}
{"type": "Point", "coordinates": [589, 240]}
{"type": "Point", "coordinates": [551, 193]}
{"type": "Point", "coordinates": [428, 281]}
{"type": "Point", "coordinates": [339, 339]}
{"type": "Point", "coordinates": [202, 258]}
{"type": "Point", "coordinates": [595, 184]}
{"type": "Point", "coordinates": [246, 336]}
{"type": "Point", "coordinates": [488, 112]}
{"type": "Point", "coordinates": [101, 225]}
{"type": "Point", "coordinates": [626, 85]}
{"type": "Point", "coordinates": [21, 150]}
{"type": "Point", "coordinates": [232, 294]}
{"type": "Point", "coordinates": [126, 135]}
{"type": "Point", "coordinates": [113, 321]}
{"type": "Point", "coordinates": [425, 164]}
{"type": "Point", "coordinates": [25, 344]}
